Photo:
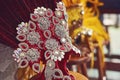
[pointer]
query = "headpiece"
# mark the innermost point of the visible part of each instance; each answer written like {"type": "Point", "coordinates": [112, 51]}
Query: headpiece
{"type": "Point", "coordinates": [45, 38]}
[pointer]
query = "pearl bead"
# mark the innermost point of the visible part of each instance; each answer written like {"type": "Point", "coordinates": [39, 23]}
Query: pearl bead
{"type": "Point", "coordinates": [58, 13]}
{"type": "Point", "coordinates": [50, 64]}
{"type": "Point", "coordinates": [63, 22]}
{"type": "Point", "coordinates": [62, 53]}
{"type": "Point", "coordinates": [90, 32]}
{"type": "Point", "coordinates": [63, 40]}
{"type": "Point", "coordinates": [41, 12]}
{"type": "Point", "coordinates": [56, 52]}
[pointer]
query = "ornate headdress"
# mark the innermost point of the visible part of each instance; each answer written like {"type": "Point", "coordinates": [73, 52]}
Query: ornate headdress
{"type": "Point", "coordinates": [45, 38]}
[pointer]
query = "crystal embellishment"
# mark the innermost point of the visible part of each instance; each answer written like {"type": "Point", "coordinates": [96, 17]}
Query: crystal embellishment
{"type": "Point", "coordinates": [51, 44]}
{"type": "Point", "coordinates": [32, 54]}
{"type": "Point", "coordinates": [33, 37]}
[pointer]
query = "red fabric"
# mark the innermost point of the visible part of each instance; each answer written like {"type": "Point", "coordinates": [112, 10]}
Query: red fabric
{"type": "Point", "coordinates": [12, 12]}
{"type": "Point", "coordinates": [61, 65]}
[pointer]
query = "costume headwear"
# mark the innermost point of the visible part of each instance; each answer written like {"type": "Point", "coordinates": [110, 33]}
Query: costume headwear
{"type": "Point", "coordinates": [45, 38]}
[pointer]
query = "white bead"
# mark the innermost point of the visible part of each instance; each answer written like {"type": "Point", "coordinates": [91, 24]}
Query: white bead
{"type": "Point", "coordinates": [58, 13]}
{"type": "Point", "coordinates": [41, 12]}
{"type": "Point", "coordinates": [90, 32]}
{"type": "Point", "coordinates": [60, 3]}
{"type": "Point", "coordinates": [63, 40]}
{"type": "Point", "coordinates": [55, 58]}
{"type": "Point", "coordinates": [50, 64]}
{"type": "Point", "coordinates": [59, 58]}
{"type": "Point", "coordinates": [62, 53]}
{"type": "Point", "coordinates": [62, 56]}
{"type": "Point", "coordinates": [63, 22]}
{"type": "Point", "coordinates": [56, 52]}
{"type": "Point", "coordinates": [52, 57]}
{"type": "Point", "coordinates": [22, 23]}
